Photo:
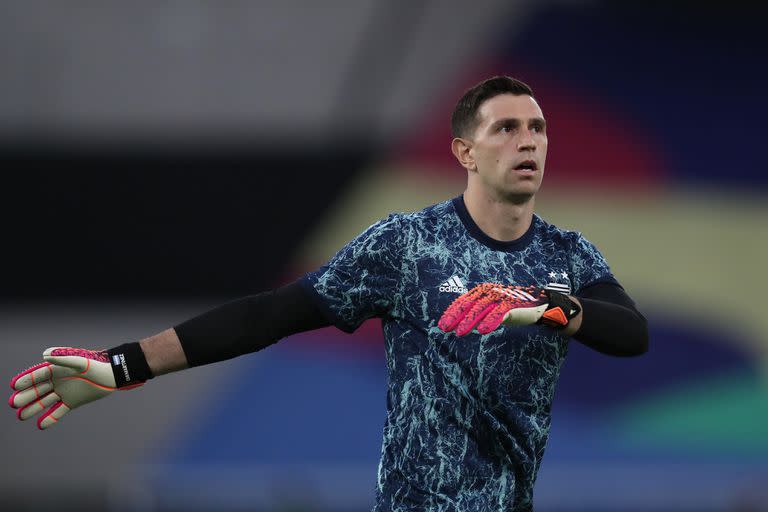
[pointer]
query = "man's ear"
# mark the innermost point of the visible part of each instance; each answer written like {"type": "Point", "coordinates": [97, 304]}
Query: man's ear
{"type": "Point", "coordinates": [461, 149]}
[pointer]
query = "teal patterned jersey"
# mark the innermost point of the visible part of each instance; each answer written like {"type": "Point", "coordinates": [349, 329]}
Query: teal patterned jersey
{"type": "Point", "coordinates": [467, 417]}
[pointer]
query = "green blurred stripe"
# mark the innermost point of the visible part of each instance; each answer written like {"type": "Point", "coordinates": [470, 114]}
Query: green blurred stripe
{"type": "Point", "coordinates": [728, 414]}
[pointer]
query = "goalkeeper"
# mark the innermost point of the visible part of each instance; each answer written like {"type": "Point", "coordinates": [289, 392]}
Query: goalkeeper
{"type": "Point", "coordinates": [479, 298]}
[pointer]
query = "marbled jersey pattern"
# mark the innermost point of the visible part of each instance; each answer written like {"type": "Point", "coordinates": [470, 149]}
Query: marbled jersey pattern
{"type": "Point", "coordinates": [467, 418]}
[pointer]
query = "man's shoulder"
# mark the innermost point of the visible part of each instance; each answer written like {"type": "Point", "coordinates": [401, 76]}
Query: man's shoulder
{"type": "Point", "coordinates": [572, 240]}
{"type": "Point", "coordinates": [569, 239]}
{"type": "Point", "coordinates": [555, 233]}
{"type": "Point", "coordinates": [435, 213]}
{"type": "Point", "coordinates": [405, 226]}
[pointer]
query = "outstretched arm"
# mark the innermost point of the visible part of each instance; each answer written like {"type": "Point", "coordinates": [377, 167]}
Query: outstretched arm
{"type": "Point", "coordinates": [71, 377]}
{"type": "Point", "coordinates": [239, 327]}
{"type": "Point", "coordinates": [164, 353]}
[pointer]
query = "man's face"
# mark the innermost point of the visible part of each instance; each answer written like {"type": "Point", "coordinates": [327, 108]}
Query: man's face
{"type": "Point", "coordinates": [509, 146]}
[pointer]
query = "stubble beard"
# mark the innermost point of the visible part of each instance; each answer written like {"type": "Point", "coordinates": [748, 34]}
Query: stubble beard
{"type": "Point", "coordinates": [512, 195]}
{"type": "Point", "coordinates": [517, 198]}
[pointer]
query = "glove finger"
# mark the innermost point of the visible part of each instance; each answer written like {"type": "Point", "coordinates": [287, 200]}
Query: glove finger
{"type": "Point", "coordinates": [42, 373]}
{"type": "Point", "coordinates": [35, 407]}
{"type": "Point", "coordinates": [493, 319]}
{"type": "Point", "coordinates": [26, 396]}
{"type": "Point", "coordinates": [475, 315]}
{"type": "Point", "coordinates": [514, 312]}
{"type": "Point", "coordinates": [36, 373]}
{"type": "Point", "coordinates": [52, 415]}
{"type": "Point", "coordinates": [456, 312]}
{"type": "Point", "coordinates": [76, 358]}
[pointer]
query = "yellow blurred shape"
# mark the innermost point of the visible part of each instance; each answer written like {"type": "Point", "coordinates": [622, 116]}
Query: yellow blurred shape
{"type": "Point", "coordinates": [700, 255]}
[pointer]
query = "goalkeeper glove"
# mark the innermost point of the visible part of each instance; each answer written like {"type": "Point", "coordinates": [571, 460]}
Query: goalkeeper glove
{"type": "Point", "coordinates": [488, 305]}
{"type": "Point", "coordinates": [71, 377]}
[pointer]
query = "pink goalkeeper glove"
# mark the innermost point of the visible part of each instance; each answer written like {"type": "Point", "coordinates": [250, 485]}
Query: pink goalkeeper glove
{"type": "Point", "coordinates": [69, 378]}
{"type": "Point", "coordinates": [488, 305]}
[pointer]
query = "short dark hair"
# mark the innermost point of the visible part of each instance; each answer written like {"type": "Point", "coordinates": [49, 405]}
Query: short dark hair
{"type": "Point", "coordinates": [464, 117]}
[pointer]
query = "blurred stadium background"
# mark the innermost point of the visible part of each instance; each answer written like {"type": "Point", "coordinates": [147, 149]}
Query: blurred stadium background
{"type": "Point", "coordinates": [160, 158]}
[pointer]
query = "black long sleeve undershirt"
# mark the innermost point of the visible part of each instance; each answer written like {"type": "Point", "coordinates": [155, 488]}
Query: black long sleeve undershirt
{"type": "Point", "coordinates": [611, 324]}
{"type": "Point", "coordinates": [248, 324]}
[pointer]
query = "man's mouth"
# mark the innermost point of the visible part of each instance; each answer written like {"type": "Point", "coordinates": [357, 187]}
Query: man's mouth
{"type": "Point", "coordinates": [526, 165]}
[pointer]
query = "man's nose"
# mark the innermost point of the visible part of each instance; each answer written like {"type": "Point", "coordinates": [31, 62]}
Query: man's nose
{"type": "Point", "coordinates": [526, 142]}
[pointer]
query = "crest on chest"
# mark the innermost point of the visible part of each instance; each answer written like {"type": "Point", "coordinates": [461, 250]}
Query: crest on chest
{"type": "Point", "coordinates": [558, 281]}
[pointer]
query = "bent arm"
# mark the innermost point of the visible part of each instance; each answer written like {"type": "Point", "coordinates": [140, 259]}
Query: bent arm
{"type": "Point", "coordinates": [233, 329]}
{"type": "Point", "coordinates": [610, 322]}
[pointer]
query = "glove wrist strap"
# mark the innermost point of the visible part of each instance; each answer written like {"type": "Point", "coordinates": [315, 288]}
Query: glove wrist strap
{"type": "Point", "coordinates": [129, 365]}
{"type": "Point", "coordinates": [560, 312]}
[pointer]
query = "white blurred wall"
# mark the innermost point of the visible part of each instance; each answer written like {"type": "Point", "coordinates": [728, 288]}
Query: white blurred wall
{"type": "Point", "coordinates": [262, 68]}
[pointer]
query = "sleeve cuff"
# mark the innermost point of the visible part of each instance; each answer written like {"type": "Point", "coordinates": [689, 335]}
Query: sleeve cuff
{"type": "Point", "coordinates": [307, 283]}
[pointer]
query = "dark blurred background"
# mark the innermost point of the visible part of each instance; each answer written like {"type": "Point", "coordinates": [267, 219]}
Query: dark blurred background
{"type": "Point", "coordinates": [163, 157]}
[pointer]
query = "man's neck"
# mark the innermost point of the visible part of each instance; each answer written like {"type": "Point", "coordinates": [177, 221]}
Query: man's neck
{"type": "Point", "coordinates": [501, 220]}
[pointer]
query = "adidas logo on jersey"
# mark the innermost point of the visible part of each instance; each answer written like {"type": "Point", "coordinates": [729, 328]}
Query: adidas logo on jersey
{"type": "Point", "coordinates": [453, 285]}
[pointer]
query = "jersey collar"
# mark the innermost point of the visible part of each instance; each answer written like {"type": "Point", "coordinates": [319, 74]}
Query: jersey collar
{"type": "Point", "coordinates": [478, 234]}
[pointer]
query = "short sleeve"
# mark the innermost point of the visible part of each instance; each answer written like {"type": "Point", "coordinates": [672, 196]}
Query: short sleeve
{"type": "Point", "coordinates": [362, 280]}
{"type": "Point", "coordinates": [588, 266]}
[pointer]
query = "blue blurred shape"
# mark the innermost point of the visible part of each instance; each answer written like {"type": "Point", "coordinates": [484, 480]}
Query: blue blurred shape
{"type": "Point", "coordinates": [290, 403]}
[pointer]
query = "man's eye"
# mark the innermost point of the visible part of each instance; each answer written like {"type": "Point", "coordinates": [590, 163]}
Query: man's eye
{"type": "Point", "coordinates": [507, 128]}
